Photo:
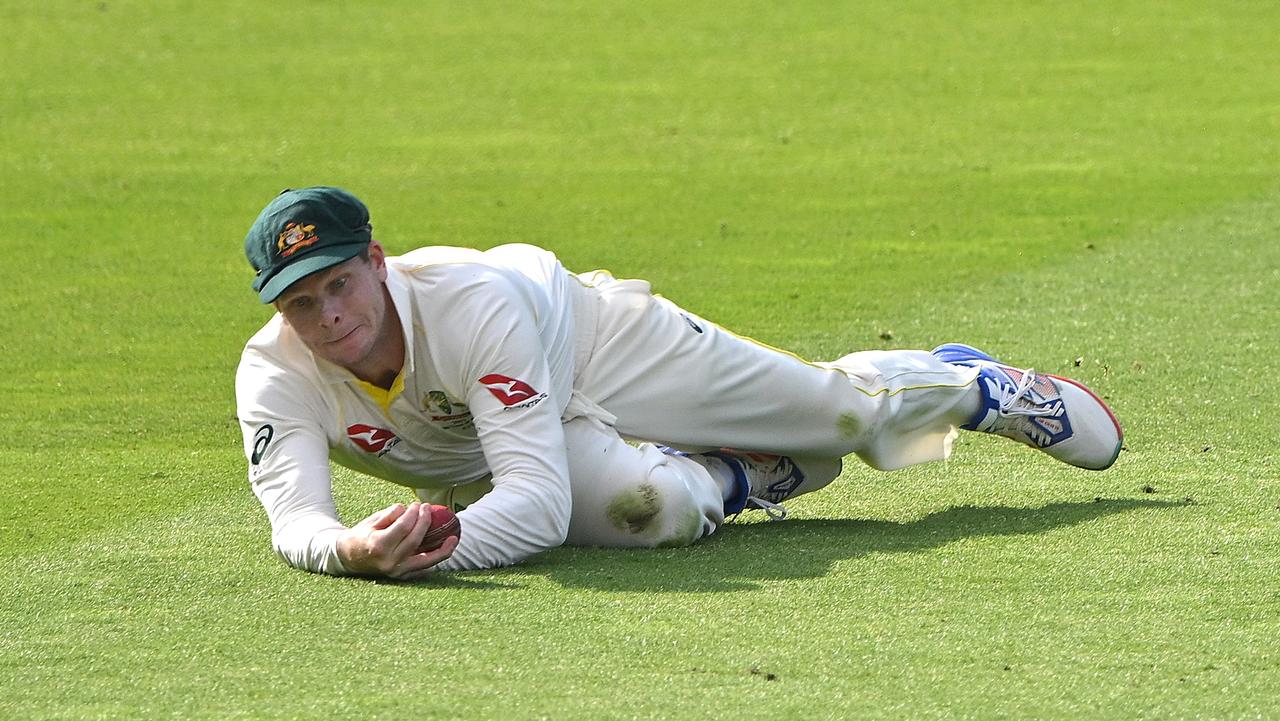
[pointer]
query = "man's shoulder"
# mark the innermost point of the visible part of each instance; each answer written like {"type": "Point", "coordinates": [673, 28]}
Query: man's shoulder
{"type": "Point", "coordinates": [271, 341]}
{"type": "Point", "coordinates": [268, 334]}
{"type": "Point", "coordinates": [433, 256]}
{"type": "Point", "coordinates": [445, 260]}
{"type": "Point", "coordinates": [274, 354]}
{"type": "Point", "coordinates": [445, 276]}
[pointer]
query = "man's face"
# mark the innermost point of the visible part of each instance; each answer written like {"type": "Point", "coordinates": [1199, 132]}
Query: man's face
{"type": "Point", "coordinates": [341, 312]}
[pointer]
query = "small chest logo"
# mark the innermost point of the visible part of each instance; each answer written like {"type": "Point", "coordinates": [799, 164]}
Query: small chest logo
{"type": "Point", "coordinates": [444, 412]}
{"type": "Point", "coordinates": [437, 402]}
{"type": "Point", "coordinates": [295, 237]}
{"type": "Point", "coordinates": [513, 392]}
{"type": "Point", "coordinates": [371, 439]}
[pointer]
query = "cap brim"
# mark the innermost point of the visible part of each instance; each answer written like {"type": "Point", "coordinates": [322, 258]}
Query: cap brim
{"type": "Point", "coordinates": [314, 262]}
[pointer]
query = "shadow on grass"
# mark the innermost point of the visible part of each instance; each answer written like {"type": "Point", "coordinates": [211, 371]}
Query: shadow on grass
{"type": "Point", "coordinates": [739, 555]}
{"type": "Point", "coordinates": [459, 581]}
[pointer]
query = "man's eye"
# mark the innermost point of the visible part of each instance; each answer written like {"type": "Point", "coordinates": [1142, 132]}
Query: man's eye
{"type": "Point", "coordinates": [299, 303]}
{"type": "Point", "coordinates": [339, 283]}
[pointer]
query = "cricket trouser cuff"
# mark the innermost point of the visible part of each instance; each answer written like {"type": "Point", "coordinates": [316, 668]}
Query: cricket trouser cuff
{"type": "Point", "coordinates": [911, 406]}
{"type": "Point", "coordinates": [737, 500]}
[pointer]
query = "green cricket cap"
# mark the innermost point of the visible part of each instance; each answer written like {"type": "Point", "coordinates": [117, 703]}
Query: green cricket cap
{"type": "Point", "coordinates": [304, 231]}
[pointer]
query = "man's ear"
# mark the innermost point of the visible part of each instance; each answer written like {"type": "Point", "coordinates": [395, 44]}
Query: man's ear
{"type": "Point", "coordinates": [378, 257]}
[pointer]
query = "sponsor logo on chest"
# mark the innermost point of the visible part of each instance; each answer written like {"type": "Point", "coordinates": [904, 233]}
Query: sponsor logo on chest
{"type": "Point", "coordinates": [512, 392]}
{"type": "Point", "coordinates": [378, 441]}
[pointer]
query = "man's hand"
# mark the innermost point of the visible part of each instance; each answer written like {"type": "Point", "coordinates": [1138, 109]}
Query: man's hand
{"type": "Point", "coordinates": [386, 543]}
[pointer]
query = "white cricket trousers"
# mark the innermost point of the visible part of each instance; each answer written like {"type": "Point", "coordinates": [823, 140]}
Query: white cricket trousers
{"type": "Point", "coordinates": [661, 374]}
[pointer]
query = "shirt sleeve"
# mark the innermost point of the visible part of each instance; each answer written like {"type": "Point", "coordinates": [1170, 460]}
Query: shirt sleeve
{"type": "Point", "coordinates": [288, 457]}
{"type": "Point", "coordinates": [503, 369]}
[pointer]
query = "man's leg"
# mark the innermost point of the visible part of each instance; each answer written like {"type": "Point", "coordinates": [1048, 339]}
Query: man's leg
{"type": "Point", "coordinates": [649, 496]}
{"type": "Point", "coordinates": [637, 495]}
{"type": "Point", "coordinates": [673, 377]}
{"type": "Point", "coordinates": [627, 495]}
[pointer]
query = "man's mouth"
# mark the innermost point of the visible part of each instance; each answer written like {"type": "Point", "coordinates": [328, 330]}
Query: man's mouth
{"type": "Point", "coordinates": [345, 335]}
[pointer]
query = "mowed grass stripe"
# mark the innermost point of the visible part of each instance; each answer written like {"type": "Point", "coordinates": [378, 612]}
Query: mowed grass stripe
{"type": "Point", "coordinates": [1129, 335]}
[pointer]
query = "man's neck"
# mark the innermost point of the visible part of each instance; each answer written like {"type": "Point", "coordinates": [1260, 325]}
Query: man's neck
{"type": "Point", "coordinates": [383, 380]}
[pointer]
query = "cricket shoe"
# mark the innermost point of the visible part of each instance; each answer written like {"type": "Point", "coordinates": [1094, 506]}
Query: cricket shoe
{"type": "Point", "coordinates": [1056, 415]}
{"type": "Point", "coordinates": [766, 480]}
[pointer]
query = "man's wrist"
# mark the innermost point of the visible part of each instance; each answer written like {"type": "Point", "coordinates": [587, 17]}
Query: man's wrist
{"type": "Point", "coordinates": [339, 556]}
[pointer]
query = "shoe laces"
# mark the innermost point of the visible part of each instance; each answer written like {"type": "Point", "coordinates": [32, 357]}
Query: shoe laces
{"type": "Point", "coordinates": [1014, 400]}
{"type": "Point", "coordinates": [1017, 411]}
{"type": "Point", "coordinates": [775, 511]}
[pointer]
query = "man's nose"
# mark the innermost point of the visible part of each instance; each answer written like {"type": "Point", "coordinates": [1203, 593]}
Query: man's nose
{"type": "Point", "coordinates": [331, 312]}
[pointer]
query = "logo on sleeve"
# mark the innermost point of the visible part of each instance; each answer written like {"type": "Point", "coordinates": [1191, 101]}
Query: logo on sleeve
{"type": "Point", "coordinates": [371, 439]}
{"type": "Point", "coordinates": [513, 392]}
{"type": "Point", "coordinates": [261, 440]}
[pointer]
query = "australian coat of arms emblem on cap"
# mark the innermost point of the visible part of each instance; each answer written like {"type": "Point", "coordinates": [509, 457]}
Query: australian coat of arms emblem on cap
{"type": "Point", "coordinates": [295, 237]}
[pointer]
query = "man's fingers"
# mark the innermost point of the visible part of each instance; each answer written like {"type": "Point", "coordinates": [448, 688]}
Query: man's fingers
{"type": "Point", "coordinates": [420, 564]}
{"type": "Point", "coordinates": [409, 544]}
{"type": "Point", "coordinates": [388, 539]}
{"type": "Point", "coordinates": [386, 516]}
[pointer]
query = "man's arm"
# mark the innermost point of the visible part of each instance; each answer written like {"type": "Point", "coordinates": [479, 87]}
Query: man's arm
{"type": "Point", "coordinates": [288, 463]}
{"type": "Point", "coordinates": [306, 532]}
{"type": "Point", "coordinates": [289, 472]}
{"type": "Point", "coordinates": [498, 360]}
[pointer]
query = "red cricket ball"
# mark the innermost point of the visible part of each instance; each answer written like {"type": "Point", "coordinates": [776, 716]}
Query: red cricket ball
{"type": "Point", "coordinates": [444, 523]}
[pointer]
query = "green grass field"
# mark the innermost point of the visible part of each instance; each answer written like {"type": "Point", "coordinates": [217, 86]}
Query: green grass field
{"type": "Point", "coordinates": [1090, 189]}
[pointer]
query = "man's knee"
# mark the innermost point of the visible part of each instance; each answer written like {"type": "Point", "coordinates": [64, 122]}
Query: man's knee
{"type": "Point", "coordinates": [658, 511]}
{"type": "Point", "coordinates": [637, 509]}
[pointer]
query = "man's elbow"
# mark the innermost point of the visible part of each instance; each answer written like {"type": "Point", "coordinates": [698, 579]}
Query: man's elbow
{"type": "Point", "coordinates": [557, 529]}
{"type": "Point", "coordinates": [553, 512]}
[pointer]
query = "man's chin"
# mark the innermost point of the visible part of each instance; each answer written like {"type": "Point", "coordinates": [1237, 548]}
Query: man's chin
{"type": "Point", "coordinates": [346, 352]}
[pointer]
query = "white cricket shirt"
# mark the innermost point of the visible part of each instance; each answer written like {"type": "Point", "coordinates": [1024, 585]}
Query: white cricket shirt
{"type": "Point", "coordinates": [490, 355]}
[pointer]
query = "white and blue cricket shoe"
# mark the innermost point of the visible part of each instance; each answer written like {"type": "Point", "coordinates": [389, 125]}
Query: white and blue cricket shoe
{"type": "Point", "coordinates": [1056, 415]}
{"type": "Point", "coordinates": [766, 480]}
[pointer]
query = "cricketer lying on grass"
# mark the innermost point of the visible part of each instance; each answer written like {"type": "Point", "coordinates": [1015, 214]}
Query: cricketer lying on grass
{"type": "Point", "coordinates": [505, 386]}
